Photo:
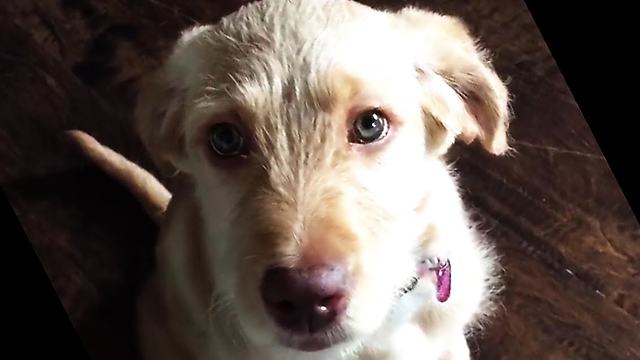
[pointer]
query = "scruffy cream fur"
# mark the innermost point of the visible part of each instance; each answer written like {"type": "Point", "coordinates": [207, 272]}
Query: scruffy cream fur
{"type": "Point", "coordinates": [293, 75]}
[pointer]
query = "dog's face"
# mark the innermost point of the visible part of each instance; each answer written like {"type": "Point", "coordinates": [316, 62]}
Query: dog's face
{"type": "Point", "coordinates": [313, 133]}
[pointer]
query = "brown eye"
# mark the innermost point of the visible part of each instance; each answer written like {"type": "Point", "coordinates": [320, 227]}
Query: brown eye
{"type": "Point", "coordinates": [369, 127]}
{"type": "Point", "coordinates": [226, 140]}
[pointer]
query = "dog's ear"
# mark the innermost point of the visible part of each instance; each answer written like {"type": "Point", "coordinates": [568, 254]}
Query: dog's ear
{"type": "Point", "coordinates": [161, 102]}
{"type": "Point", "coordinates": [449, 59]}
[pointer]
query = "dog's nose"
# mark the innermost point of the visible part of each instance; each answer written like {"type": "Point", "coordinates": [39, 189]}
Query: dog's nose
{"type": "Point", "coordinates": [305, 301]}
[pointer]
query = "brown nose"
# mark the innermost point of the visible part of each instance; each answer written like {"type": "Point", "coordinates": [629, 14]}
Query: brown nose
{"type": "Point", "coordinates": [305, 301]}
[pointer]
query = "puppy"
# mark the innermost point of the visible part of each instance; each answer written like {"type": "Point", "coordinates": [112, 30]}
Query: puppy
{"type": "Point", "coordinates": [317, 218]}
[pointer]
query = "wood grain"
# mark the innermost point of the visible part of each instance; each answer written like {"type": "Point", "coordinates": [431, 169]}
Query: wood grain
{"type": "Point", "coordinates": [569, 242]}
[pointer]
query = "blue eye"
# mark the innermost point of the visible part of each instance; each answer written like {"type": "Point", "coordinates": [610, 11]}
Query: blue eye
{"type": "Point", "coordinates": [370, 126]}
{"type": "Point", "coordinates": [226, 140]}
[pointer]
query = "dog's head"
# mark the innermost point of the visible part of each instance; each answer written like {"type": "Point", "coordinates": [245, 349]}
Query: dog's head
{"type": "Point", "coordinates": [313, 132]}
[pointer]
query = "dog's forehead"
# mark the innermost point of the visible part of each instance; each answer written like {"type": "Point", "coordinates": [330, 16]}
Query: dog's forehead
{"type": "Point", "coordinates": [300, 51]}
{"type": "Point", "coordinates": [289, 22]}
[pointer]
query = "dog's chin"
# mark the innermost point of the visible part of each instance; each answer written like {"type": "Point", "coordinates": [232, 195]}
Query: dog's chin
{"type": "Point", "coordinates": [314, 342]}
{"type": "Point", "coordinates": [337, 338]}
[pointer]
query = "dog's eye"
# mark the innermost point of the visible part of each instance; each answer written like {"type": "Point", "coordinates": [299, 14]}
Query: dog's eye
{"type": "Point", "coordinates": [226, 140]}
{"type": "Point", "coordinates": [370, 126]}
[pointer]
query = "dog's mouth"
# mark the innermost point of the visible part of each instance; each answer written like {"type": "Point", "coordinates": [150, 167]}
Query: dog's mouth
{"type": "Point", "coordinates": [437, 268]}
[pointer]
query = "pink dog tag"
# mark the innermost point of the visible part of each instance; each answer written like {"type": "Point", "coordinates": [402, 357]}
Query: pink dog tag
{"type": "Point", "coordinates": [443, 284]}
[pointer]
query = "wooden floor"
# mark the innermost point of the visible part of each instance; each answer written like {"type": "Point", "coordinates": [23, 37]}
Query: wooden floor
{"type": "Point", "coordinates": [569, 241]}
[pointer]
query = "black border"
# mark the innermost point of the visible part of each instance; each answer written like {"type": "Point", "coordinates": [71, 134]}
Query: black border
{"type": "Point", "coordinates": [33, 317]}
{"type": "Point", "coordinates": [592, 50]}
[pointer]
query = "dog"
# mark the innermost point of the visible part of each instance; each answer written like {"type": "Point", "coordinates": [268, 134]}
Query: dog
{"type": "Point", "coordinates": [315, 216]}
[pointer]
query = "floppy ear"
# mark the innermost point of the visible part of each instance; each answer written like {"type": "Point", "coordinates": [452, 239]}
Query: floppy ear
{"type": "Point", "coordinates": [449, 61]}
{"type": "Point", "coordinates": [161, 102]}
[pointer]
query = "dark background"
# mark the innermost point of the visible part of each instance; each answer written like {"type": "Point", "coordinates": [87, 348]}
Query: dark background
{"type": "Point", "coordinates": [569, 242]}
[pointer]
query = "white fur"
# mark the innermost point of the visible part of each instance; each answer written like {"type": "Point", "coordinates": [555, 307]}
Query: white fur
{"type": "Point", "coordinates": [272, 62]}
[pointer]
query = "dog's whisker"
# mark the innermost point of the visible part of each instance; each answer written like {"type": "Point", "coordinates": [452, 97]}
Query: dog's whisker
{"type": "Point", "coordinates": [223, 305]}
{"type": "Point", "coordinates": [249, 258]}
{"type": "Point", "coordinates": [217, 304]}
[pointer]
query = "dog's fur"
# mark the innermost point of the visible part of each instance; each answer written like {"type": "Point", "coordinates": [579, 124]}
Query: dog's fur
{"type": "Point", "coordinates": [293, 75]}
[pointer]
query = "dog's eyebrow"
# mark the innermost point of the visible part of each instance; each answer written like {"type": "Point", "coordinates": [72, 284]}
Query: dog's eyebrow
{"type": "Point", "coordinates": [212, 91]}
{"type": "Point", "coordinates": [208, 101]}
{"type": "Point", "coordinates": [213, 95]}
{"type": "Point", "coordinates": [212, 105]}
